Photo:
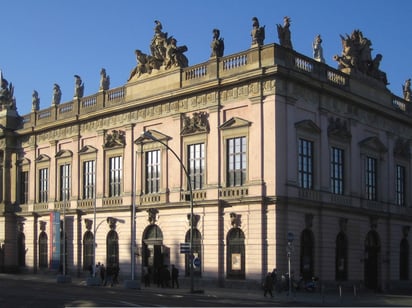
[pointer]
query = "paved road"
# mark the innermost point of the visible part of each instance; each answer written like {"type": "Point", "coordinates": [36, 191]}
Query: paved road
{"type": "Point", "coordinates": [43, 291]}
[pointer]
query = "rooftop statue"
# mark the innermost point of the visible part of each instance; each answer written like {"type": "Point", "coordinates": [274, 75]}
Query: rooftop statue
{"type": "Point", "coordinates": [143, 64]}
{"type": "Point", "coordinates": [104, 80]}
{"type": "Point", "coordinates": [406, 89]}
{"type": "Point", "coordinates": [78, 87]}
{"type": "Point", "coordinates": [317, 49]}
{"type": "Point", "coordinates": [284, 33]}
{"type": "Point", "coordinates": [35, 101]}
{"type": "Point", "coordinates": [174, 55]}
{"type": "Point", "coordinates": [6, 94]}
{"type": "Point", "coordinates": [258, 32]}
{"type": "Point", "coordinates": [357, 54]}
{"type": "Point", "coordinates": [217, 45]}
{"type": "Point", "coordinates": [164, 52]}
{"type": "Point", "coordinates": [57, 94]}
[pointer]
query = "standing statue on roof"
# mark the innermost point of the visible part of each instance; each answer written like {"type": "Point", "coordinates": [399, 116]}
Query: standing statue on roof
{"type": "Point", "coordinates": [104, 80]}
{"type": "Point", "coordinates": [57, 95]}
{"type": "Point", "coordinates": [284, 33]}
{"type": "Point", "coordinates": [158, 44]}
{"type": "Point", "coordinates": [406, 89]}
{"type": "Point", "coordinates": [317, 49]}
{"type": "Point", "coordinates": [258, 32]}
{"type": "Point", "coordinates": [79, 87]}
{"type": "Point", "coordinates": [35, 101]}
{"type": "Point", "coordinates": [165, 51]}
{"type": "Point", "coordinates": [217, 45]}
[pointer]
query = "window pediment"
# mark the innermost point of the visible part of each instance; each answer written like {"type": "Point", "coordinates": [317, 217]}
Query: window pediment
{"type": "Point", "coordinates": [87, 149]}
{"type": "Point", "coordinates": [156, 135]}
{"type": "Point", "coordinates": [235, 122]}
{"type": "Point", "coordinates": [308, 126]}
{"type": "Point", "coordinates": [64, 154]}
{"type": "Point", "coordinates": [42, 158]}
{"type": "Point", "coordinates": [24, 162]}
{"type": "Point", "coordinates": [374, 144]}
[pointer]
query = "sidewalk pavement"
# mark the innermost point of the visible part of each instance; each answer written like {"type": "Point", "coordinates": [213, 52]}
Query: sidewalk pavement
{"type": "Point", "coordinates": [302, 298]}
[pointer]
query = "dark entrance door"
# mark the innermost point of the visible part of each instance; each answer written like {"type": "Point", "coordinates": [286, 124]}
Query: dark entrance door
{"type": "Point", "coordinates": [152, 257]}
{"type": "Point", "coordinates": [372, 250]}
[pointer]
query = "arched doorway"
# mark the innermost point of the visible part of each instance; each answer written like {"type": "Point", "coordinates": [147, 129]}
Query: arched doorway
{"type": "Point", "coordinates": [341, 257]}
{"type": "Point", "coordinates": [372, 251]}
{"type": "Point", "coordinates": [112, 250]}
{"type": "Point", "coordinates": [88, 253]}
{"type": "Point", "coordinates": [152, 254]}
{"type": "Point", "coordinates": [197, 252]}
{"type": "Point", "coordinates": [43, 250]}
{"type": "Point", "coordinates": [235, 256]}
{"type": "Point", "coordinates": [307, 244]}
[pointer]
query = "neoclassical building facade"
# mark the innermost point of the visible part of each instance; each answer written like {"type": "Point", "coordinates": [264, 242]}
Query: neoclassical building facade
{"type": "Point", "coordinates": [273, 142]}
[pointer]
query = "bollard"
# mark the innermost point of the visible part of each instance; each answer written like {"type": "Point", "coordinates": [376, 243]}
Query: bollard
{"type": "Point", "coordinates": [340, 293]}
{"type": "Point", "coordinates": [354, 290]}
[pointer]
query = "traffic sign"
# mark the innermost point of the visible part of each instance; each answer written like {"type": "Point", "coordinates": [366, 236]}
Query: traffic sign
{"type": "Point", "coordinates": [196, 262]}
{"type": "Point", "coordinates": [184, 247]}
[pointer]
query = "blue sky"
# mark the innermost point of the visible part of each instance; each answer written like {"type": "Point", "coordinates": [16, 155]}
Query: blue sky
{"type": "Point", "coordinates": [49, 41]}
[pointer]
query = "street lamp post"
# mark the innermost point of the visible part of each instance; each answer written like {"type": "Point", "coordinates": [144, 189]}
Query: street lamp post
{"type": "Point", "coordinates": [289, 251]}
{"type": "Point", "coordinates": [148, 135]}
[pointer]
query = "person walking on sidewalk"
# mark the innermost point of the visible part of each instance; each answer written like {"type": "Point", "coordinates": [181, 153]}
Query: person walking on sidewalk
{"type": "Point", "coordinates": [175, 276]}
{"type": "Point", "coordinates": [268, 285]}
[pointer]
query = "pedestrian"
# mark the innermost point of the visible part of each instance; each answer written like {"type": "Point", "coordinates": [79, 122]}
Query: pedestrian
{"type": "Point", "coordinates": [102, 272]}
{"type": "Point", "coordinates": [274, 276]}
{"type": "Point", "coordinates": [116, 271]}
{"type": "Point", "coordinates": [175, 276]}
{"type": "Point", "coordinates": [109, 275]}
{"type": "Point", "coordinates": [146, 276]}
{"type": "Point", "coordinates": [268, 285]}
{"type": "Point", "coordinates": [97, 270]}
{"type": "Point", "coordinates": [91, 270]}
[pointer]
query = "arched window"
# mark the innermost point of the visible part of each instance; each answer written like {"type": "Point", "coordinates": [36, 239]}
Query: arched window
{"type": "Point", "coordinates": [341, 257]}
{"type": "Point", "coordinates": [307, 244]}
{"type": "Point", "coordinates": [235, 256]}
{"type": "Point", "coordinates": [88, 253]}
{"type": "Point", "coordinates": [197, 252]}
{"type": "Point", "coordinates": [404, 260]}
{"type": "Point", "coordinates": [112, 249]}
{"type": "Point", "coordinates": [43, 250]}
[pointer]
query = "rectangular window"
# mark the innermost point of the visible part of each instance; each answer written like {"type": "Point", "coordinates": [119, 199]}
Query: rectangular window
{"type": "Point", "coordinates": [89, 179]}
{"type": "Point", "coordinates": [24, 187]}
{"type": "Point", "coordinates": [400, 185]}
{"type": "Point", "coordinates": [336, 170]}
{"type": "Point", "coordinates": [305, 164]}
{"type": "Point", "coordinates": [370, 178]}
{"type": "Point", "coordinates": [43, 185]}
{"type": "Point", "coordinates": [65, 182]}
{"type": "Point", "coordinates": [115, 176]}
{"type": "Point", "coordinates": [196, 162]}
{"type": "Point", "coordinates": [236, 161]}
{"type": "Point", "coordinates": [152, 172]}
